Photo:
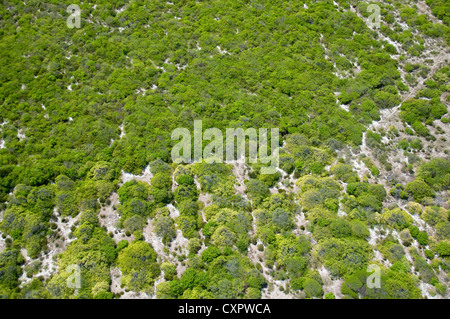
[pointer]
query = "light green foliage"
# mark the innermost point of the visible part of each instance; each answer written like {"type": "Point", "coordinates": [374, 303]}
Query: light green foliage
{"type": "Point", "coordinates": [414, 112]}
{"type": "Point", "coordinates": [436, 173]}
{"type": "Point", "coordinates": [238, 222]}
{"type": "Point", "coordinates": [330, 295]}
{"type": "Point", "coordinates": [418, 189]}
{"type": "Point", "coordinates": [344, 255]}
{"type": "Point", "coordinates": [443, 248]}
{"type": "Point", "coordinates": [225, 277]}
{"type": "Point", "coordinates": [210, 253]}
{"type": "Point", "coordinates": [443, 230]}
{"type": "Point", "coordinates": [345, 173]}
{"type": "Point", "coordinates": [215, 178]}
{"type": "Point", "coordinates": [94, 253]}
{"type": "Point", "coordinates": [138, 265]}
{"type": "Point", "coordinates": [122, 244]}
{"type": "Point", "coordinates": [223, 237]}
{"type": "Point", "coordinates": [434, 215]}
{"type": "Point", "coordinates": [170, 271]}
{"type": "Point", "coordinates": [81, 107]}
{"type": "Point", "coordinates": [396, 218]}
{"type": "Point", "coordinates": [291, 255]}
{"type": "Point", "coordinates": [363, 200]}
{"type": "Point", "coordinates": [194, 245]}
{"type": "Point", "coordinates": [307, 158]}
{"type": "Point", "coordinates": [359, 229]}
{"type": "Point", "coordinates": [315, 191]}
{"type": "Point", "coordinates": [396, 283]}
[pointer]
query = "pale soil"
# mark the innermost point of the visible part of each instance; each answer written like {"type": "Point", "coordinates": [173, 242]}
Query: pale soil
{"type": "Point", "coordinates": [179, 243]}
{"type": "Point", "coordinates": [146, 176]}
{"type": "Point", "coordinates": [109, 217]}
{"type": "Point", "coordinates": [425, 9]}
{"type": "Point", "coordinates": [2, 243]}
{"type": "Point", "coordinates": [389, 117]}
{"type": "Point", "coordinates": [174, 213]}
{"type": "Point", "coordinates": [205, 198]}
{"type": "Point", "coordinates": [240, 171]}
{"type": "Point", "coordinates": [330, 284]}
{"type": "Point", "coordinates": [273, 290]}
{"type": "Point", "coordinates": [157, 282]}
{"type": "Point", "coordinates": [116, 275]}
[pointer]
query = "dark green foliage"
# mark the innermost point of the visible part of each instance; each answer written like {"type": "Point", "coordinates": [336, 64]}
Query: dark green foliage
{"type": "Point", "coordinates": [422, 238]}
{"type": "Point", "coordinates": [188, 225]}
{"type": "Point", "coordinates": [210, 253]}
{"type": "Point", "coordinates": [186, 192]}
{"type": "Point", "coordinates": [312, 288]}
{"type": "Point", "coordinates": [133, 189]}
{"type": "Point", "coordinates": [164, 227]}
{"type": "Point", "coordinates": [160, 188]}
{"type": "Point", "coordinates": [426, 271]}
{"type": "Point", "coordinates": [257, 190]}
{"type": "Point", "coordinates": [134, 223]}
{"type": "Point", "coordinates": [185, 180]}
{"type": "Point", "coordinates": [10, 272]}
{"type": "Point", "coordinates": [415, 112]}
{"type": "Point", "coordinates": [340, 228]}
{"type": "Point", "coordinates": [170, 271]}
{"type": "Point", "coordinates": [443, 248]}
{"type": "Point", "coordinates": [345, 173]}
